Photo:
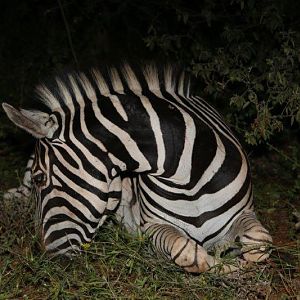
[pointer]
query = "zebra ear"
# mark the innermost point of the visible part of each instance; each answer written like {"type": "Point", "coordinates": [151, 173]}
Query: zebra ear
{"type": "Point", "coordinates": [37, 123]}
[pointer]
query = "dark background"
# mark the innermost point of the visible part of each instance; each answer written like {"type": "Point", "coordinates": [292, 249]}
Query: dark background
{"type": "Point", "coordinates": [244, 54]}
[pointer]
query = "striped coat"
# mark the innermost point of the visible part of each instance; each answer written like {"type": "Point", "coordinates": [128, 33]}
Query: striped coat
{"type": "Point", "coordinates": [137, 142]}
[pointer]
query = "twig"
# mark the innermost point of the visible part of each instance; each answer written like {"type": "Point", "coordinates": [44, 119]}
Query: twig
{"type": "Point", "coordinates": [286, 157]}
{"type": "Point", "coordinates": [68, 32]}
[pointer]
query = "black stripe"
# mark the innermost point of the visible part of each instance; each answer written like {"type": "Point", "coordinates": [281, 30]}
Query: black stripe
{"type": "Point", "coordinates": [226, 174]}
{"type": "Point", "coordinates": [60, 202]}
{"type": "Point", "coordinates": [61, 218]}
{"type": "Point", "coordinates": [180, 251]}
{"type": "Point", "coordinates": [77, 178]}
{"type": "Point", "coordinates": [199, 220]}
{"type": "Point", "coordinates": [67, 156]}
{"type": "Point", "coordinates": [55, 235]}
{"type": "Point", "coordinates": [111, 142]}
{"type": "Point", "coordinates": [211, 236]}
{"type": "Point", "coordinates": [254, 239]}
{"type": "Point", "coordinates": [172, 129]}
{"type": "Point", "coordinates": [65, 245]}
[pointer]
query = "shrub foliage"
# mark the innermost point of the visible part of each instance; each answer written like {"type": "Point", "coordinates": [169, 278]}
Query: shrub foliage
{"type": "Point", "coordinates": [245, 54]}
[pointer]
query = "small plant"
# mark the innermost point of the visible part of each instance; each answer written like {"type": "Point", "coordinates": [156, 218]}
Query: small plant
{"type": "Point", "coordinates": [245, 54]}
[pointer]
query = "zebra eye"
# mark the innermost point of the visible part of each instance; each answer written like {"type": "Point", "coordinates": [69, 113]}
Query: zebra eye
{"type": "Point", "coordinates": [39, 179]}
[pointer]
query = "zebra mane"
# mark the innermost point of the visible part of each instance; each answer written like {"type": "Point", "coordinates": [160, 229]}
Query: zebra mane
{"type": "Point", "coordinates": [113, 80]}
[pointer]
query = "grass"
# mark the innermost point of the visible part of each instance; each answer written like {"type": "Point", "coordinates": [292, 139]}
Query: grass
{"type": "Point", "coordinates": [120, 266]}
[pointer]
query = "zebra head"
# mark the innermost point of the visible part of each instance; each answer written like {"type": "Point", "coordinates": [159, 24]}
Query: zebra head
{"type": "Point", "coordinates": [71, 191]}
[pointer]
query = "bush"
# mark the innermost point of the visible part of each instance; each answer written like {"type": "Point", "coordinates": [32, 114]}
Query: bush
{"type": "Point", "coordinates": [244, 53]}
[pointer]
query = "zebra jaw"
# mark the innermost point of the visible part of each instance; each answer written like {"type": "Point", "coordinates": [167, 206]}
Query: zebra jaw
{"type": "Point", "coordinates": [37, 123]}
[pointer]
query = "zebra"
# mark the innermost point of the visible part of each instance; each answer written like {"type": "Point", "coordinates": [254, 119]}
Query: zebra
{"type": "Point", "coordinates": [136, 142]}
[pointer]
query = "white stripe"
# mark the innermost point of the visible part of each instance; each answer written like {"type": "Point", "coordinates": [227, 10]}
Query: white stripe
{"type": "Point", "coordinates": [116, 81]}
{"type": "Point", "coordinates": [75, 203]}
{"type": "Point", "coordinates": [65, 225]}
{"type": "Point", "coordinates": [98, 164]}
{"type": "Point", "coordinates": [208, 228]}
{"type": "Point", "coordinates": [214, 224]}
{"type": "Point", "coordinates": [125, 139]}
{"type": "Point", "coordinates": [153, 84]}
{"type": "Point", "coordinates": [123, 136]}
{"type": "Point", "coordinates": [85, 176]}
{"type": "Point", "coordinates": [92, 95]}
{"type": "Point", "coordinates": [60, 241]}
{"type": "Point", "coordinates": [117, 161]}
{"type": "Point", "coordinates": [48, 98]}
{"type": "Point", "coordinates": [131, 79]}
{"type": "Point", "coordinates": [206, 202]}
{"type": "Point", "coordinates": [151, 76]}
{"type": "Point", "coordinates": [183, 172]}
{"type": "Point", "coordinates": [156, 129]}
{"type": "Point", "coordinates": [83, 126]}
{"type": "Point", "coordinates": [92, 198]}
{"type": "Point", "coordinates": [208, 174]}
{"type": "Point", "coordinates": [118, 106]}
{"type": "Point", "coordinates": [102, 85]}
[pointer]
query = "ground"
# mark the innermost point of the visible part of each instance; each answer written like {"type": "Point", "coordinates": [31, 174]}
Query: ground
{"type": "Point", "coordinates": [120, 266]}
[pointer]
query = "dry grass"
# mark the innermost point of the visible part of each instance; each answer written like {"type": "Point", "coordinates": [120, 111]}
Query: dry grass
{"type": "Point", "coordinates": [120, 266]}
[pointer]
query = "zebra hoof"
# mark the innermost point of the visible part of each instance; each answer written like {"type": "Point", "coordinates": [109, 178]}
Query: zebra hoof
{"type": "Point", "coordinates": [256, 254]}
{"type": "Point", "coordinates": [225, 267]}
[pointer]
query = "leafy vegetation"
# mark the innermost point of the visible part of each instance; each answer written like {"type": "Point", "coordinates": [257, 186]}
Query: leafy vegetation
{"type": "Point", "coordinates": [245, 54]}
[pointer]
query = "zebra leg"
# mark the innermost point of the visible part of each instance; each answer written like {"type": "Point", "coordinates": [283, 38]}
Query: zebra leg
{"type": "Point", "coordinates": [128, 212]}
{"type": "Point", "coordinates": [255, 239]}
{"type": "Point", "coordinates": [185, 252]}
{"type": "Point", "coordinates": [24, 190]}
